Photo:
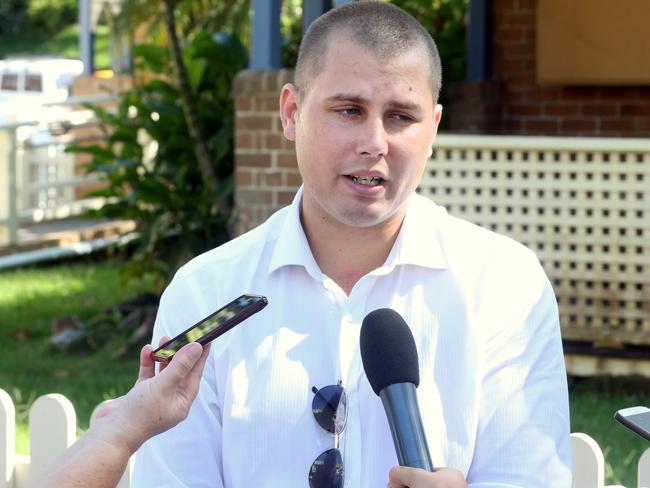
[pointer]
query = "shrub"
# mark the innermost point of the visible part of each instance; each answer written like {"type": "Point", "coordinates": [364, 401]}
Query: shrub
{"type": "Point", "coordinates": [48, 17]}
{"type": "Point", "coordinates": [148, 163]}
{"type": "Point", "coordinates": [12, 17]}
{"type": "Point", "coordinates": [36, 19]}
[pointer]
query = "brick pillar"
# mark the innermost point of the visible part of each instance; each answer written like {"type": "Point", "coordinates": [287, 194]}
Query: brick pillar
{"type": "Point", "coordinates": [266, 173]}
{"type": "Point", "coordinates": [474, 107]}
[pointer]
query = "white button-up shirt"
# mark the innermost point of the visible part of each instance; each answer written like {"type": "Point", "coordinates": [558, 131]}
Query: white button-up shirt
{"type": "Point", "coordinates": [492, 394]}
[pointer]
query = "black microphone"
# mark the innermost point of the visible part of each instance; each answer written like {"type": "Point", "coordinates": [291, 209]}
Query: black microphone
{"type": "Point", "coordinates": [390, 360]}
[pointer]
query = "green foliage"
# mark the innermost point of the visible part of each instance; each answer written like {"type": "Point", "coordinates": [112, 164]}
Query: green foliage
{"type": "Point", "coordinates": [36, 19]}
{"type": "Point", "coordinates": [47, 17]}
{"type": "Point", "coordinates": [445, 21]}
{"type": "Point", "coordinates": [164, 193]}
{"type": "Point", "coordinates": [64, 43]}
{"type": "Point", "coordinates": [12, 16]}
{"type": "Point", "coordinates": [291, 31]}
{"type": "Point", "coordinates": [191, 16]}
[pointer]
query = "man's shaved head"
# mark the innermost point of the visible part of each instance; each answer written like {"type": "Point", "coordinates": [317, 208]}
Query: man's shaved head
{"type": "Point", "coordinates": [385, 30]}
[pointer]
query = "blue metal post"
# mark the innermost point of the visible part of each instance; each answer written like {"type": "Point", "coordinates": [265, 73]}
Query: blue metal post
{"type": "Point", "coordinates": [86, 36]}
{"type": "Point", "coordinates": [312, 9]}
{"type": "Point", "coordinates": [478, 40]}
{"type": "Point", "coordinates": [266, 42]}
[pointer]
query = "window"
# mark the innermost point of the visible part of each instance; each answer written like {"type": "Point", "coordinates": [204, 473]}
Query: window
{"type": "Point", "coordinates": [33, 83]}
{"type": "Point", "coordinates": [9, 82]}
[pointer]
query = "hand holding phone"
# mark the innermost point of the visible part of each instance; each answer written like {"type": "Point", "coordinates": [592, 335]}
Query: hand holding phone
{"type": "Point", "coordinates": [212, 326]}
{"type": "Point", "coordinates": [637, 419]}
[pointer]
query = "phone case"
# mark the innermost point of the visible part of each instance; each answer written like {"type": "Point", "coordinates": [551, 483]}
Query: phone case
{"type": "Point", "coordinates": [259, 304]}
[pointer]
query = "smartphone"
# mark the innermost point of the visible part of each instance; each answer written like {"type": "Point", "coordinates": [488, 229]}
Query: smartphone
{"type": "Point", "coordinates": [637, 419]}
{"type": "Point", "coordinates": [212, 326]}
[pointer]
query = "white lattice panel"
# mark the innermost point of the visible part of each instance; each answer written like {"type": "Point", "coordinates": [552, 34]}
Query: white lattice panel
{"type": "Point", "coordinates": [583, 206]}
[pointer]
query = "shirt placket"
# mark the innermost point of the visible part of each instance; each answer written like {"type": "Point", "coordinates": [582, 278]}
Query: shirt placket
{"type": "Point", "coordinates": [353, 311]}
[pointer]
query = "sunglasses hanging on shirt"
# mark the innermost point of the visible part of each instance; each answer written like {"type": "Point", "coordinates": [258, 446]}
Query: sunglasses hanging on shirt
{"type": "Point", "coordinates": [330, 412]}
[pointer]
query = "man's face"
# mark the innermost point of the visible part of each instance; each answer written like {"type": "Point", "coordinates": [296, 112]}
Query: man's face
{"type": "Point", "coordinates": [363, 133]}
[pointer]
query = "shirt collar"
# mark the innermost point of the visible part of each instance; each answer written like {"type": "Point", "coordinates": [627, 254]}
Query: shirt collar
{"type": "Point", "coordinates": [291, 246]}
{"type": "Point", "coordinates": [418, 242]}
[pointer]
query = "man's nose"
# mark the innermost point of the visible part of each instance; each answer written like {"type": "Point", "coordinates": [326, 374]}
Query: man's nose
{"type": "Point", "coordinates": [373, 139]}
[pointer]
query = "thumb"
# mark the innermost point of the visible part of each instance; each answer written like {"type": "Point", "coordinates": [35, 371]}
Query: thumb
{"type": "Point", "coordinates": [181, 364]}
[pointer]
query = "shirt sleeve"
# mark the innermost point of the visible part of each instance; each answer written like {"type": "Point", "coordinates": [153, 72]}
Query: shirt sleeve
{"type": "Point", "coordinates": [189, 454]}
{"type": "Point", "coordinates": [523, 437]}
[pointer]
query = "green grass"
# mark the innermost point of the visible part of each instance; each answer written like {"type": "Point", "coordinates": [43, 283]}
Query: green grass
{"type": "Point", "coordinates": [65, 43]}
{"type": "Point", "coordinates": [593, 403]}
{"type": "Point", "coordinates": [31, 298]}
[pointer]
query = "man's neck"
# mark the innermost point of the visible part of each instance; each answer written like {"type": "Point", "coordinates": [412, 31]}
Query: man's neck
{"type": "Point", "coordinates": [346, 253]}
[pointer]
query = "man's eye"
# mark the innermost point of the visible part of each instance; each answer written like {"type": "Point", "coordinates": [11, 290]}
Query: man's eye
{"type": "Point", "coordinates": [401, 117]}
{"type": "Point", "coordinates": [350, 111]}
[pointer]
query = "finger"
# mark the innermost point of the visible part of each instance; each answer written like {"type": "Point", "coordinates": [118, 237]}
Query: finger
{"type": "Point", "coordinates": [194, 377]}
{"type": "Point", "coordinates": [147, 365]}
{"type": "Point", "coordinates": [401, 476]}
{"type": "Point", "coordinates": [181, 366]}
{"type": "Point", "coordinates": [161, 341]}
{"type": "Point", "coordinates": [200, 364]}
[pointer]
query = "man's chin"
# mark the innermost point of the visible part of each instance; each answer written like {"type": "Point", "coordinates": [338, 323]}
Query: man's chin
{"type": "Point", "coordinates": [367, 219]}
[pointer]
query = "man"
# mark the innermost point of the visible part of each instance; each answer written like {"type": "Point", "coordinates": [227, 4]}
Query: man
{"type": "Point", "coordinates": [363, 114]}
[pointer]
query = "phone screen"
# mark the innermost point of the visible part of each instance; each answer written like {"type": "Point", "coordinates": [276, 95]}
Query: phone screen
{"type": "Point", "coordinates": [637, 419]}
{"type": "Point", "coordinates": [641, 419]}
{"type": "Point", "coordinates": [213, 325]}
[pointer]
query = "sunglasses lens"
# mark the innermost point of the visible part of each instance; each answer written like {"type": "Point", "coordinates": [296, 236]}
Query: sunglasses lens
{"type": "Point", "coordinates": [327, 470]}
{"type": "Point", "coordinates": [329, 407]}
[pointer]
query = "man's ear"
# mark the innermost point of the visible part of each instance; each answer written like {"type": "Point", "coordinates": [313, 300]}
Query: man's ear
{"type": "Point", "coordinates": [289, 110]}
{"type": "Point", "coordinates": [437, 115]}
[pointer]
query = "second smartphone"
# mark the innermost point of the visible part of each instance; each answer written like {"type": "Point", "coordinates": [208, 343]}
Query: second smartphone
{"type": "Point", "coordinates": [637, 419]}
{"type": "Point", "coordinates": [212, 326]}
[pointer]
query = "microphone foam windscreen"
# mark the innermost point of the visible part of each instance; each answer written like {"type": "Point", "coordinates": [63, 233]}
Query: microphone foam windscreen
{"type": "Point", "coordinates": [388, 350]}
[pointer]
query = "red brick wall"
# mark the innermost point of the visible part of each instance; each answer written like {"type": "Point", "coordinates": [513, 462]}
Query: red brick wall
{"type": "Point", "coordinates": [266, 174]}
{"type": "Point", "coordinates": [529, 108]}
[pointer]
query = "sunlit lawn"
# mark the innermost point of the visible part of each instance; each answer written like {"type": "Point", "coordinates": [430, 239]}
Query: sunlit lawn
{"type": "Point", "coordinates": [31, 298]}
{"type": "Point", "coordinates": [593, 403]}
{"type": "Point", "coordinates": [65, 43]}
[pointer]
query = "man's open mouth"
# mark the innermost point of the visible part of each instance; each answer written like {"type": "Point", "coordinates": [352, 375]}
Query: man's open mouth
{"type": "Point", "coordinates": [366, 180]}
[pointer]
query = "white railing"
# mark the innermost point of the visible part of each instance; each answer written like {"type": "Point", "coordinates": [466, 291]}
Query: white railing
{"type": "Point", "coordinates": [38, 179]}
{"type": "Point", "coordinates": [52, 425]}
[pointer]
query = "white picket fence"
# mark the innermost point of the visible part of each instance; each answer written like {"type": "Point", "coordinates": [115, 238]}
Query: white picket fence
{"type": "Point", "coordinates": [52, 425]}
{"type": "Point", "coordinates": [52, 429]}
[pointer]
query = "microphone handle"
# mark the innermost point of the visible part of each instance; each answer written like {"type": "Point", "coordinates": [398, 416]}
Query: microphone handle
{"type": "Point", "coordinates": [401, 405]}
